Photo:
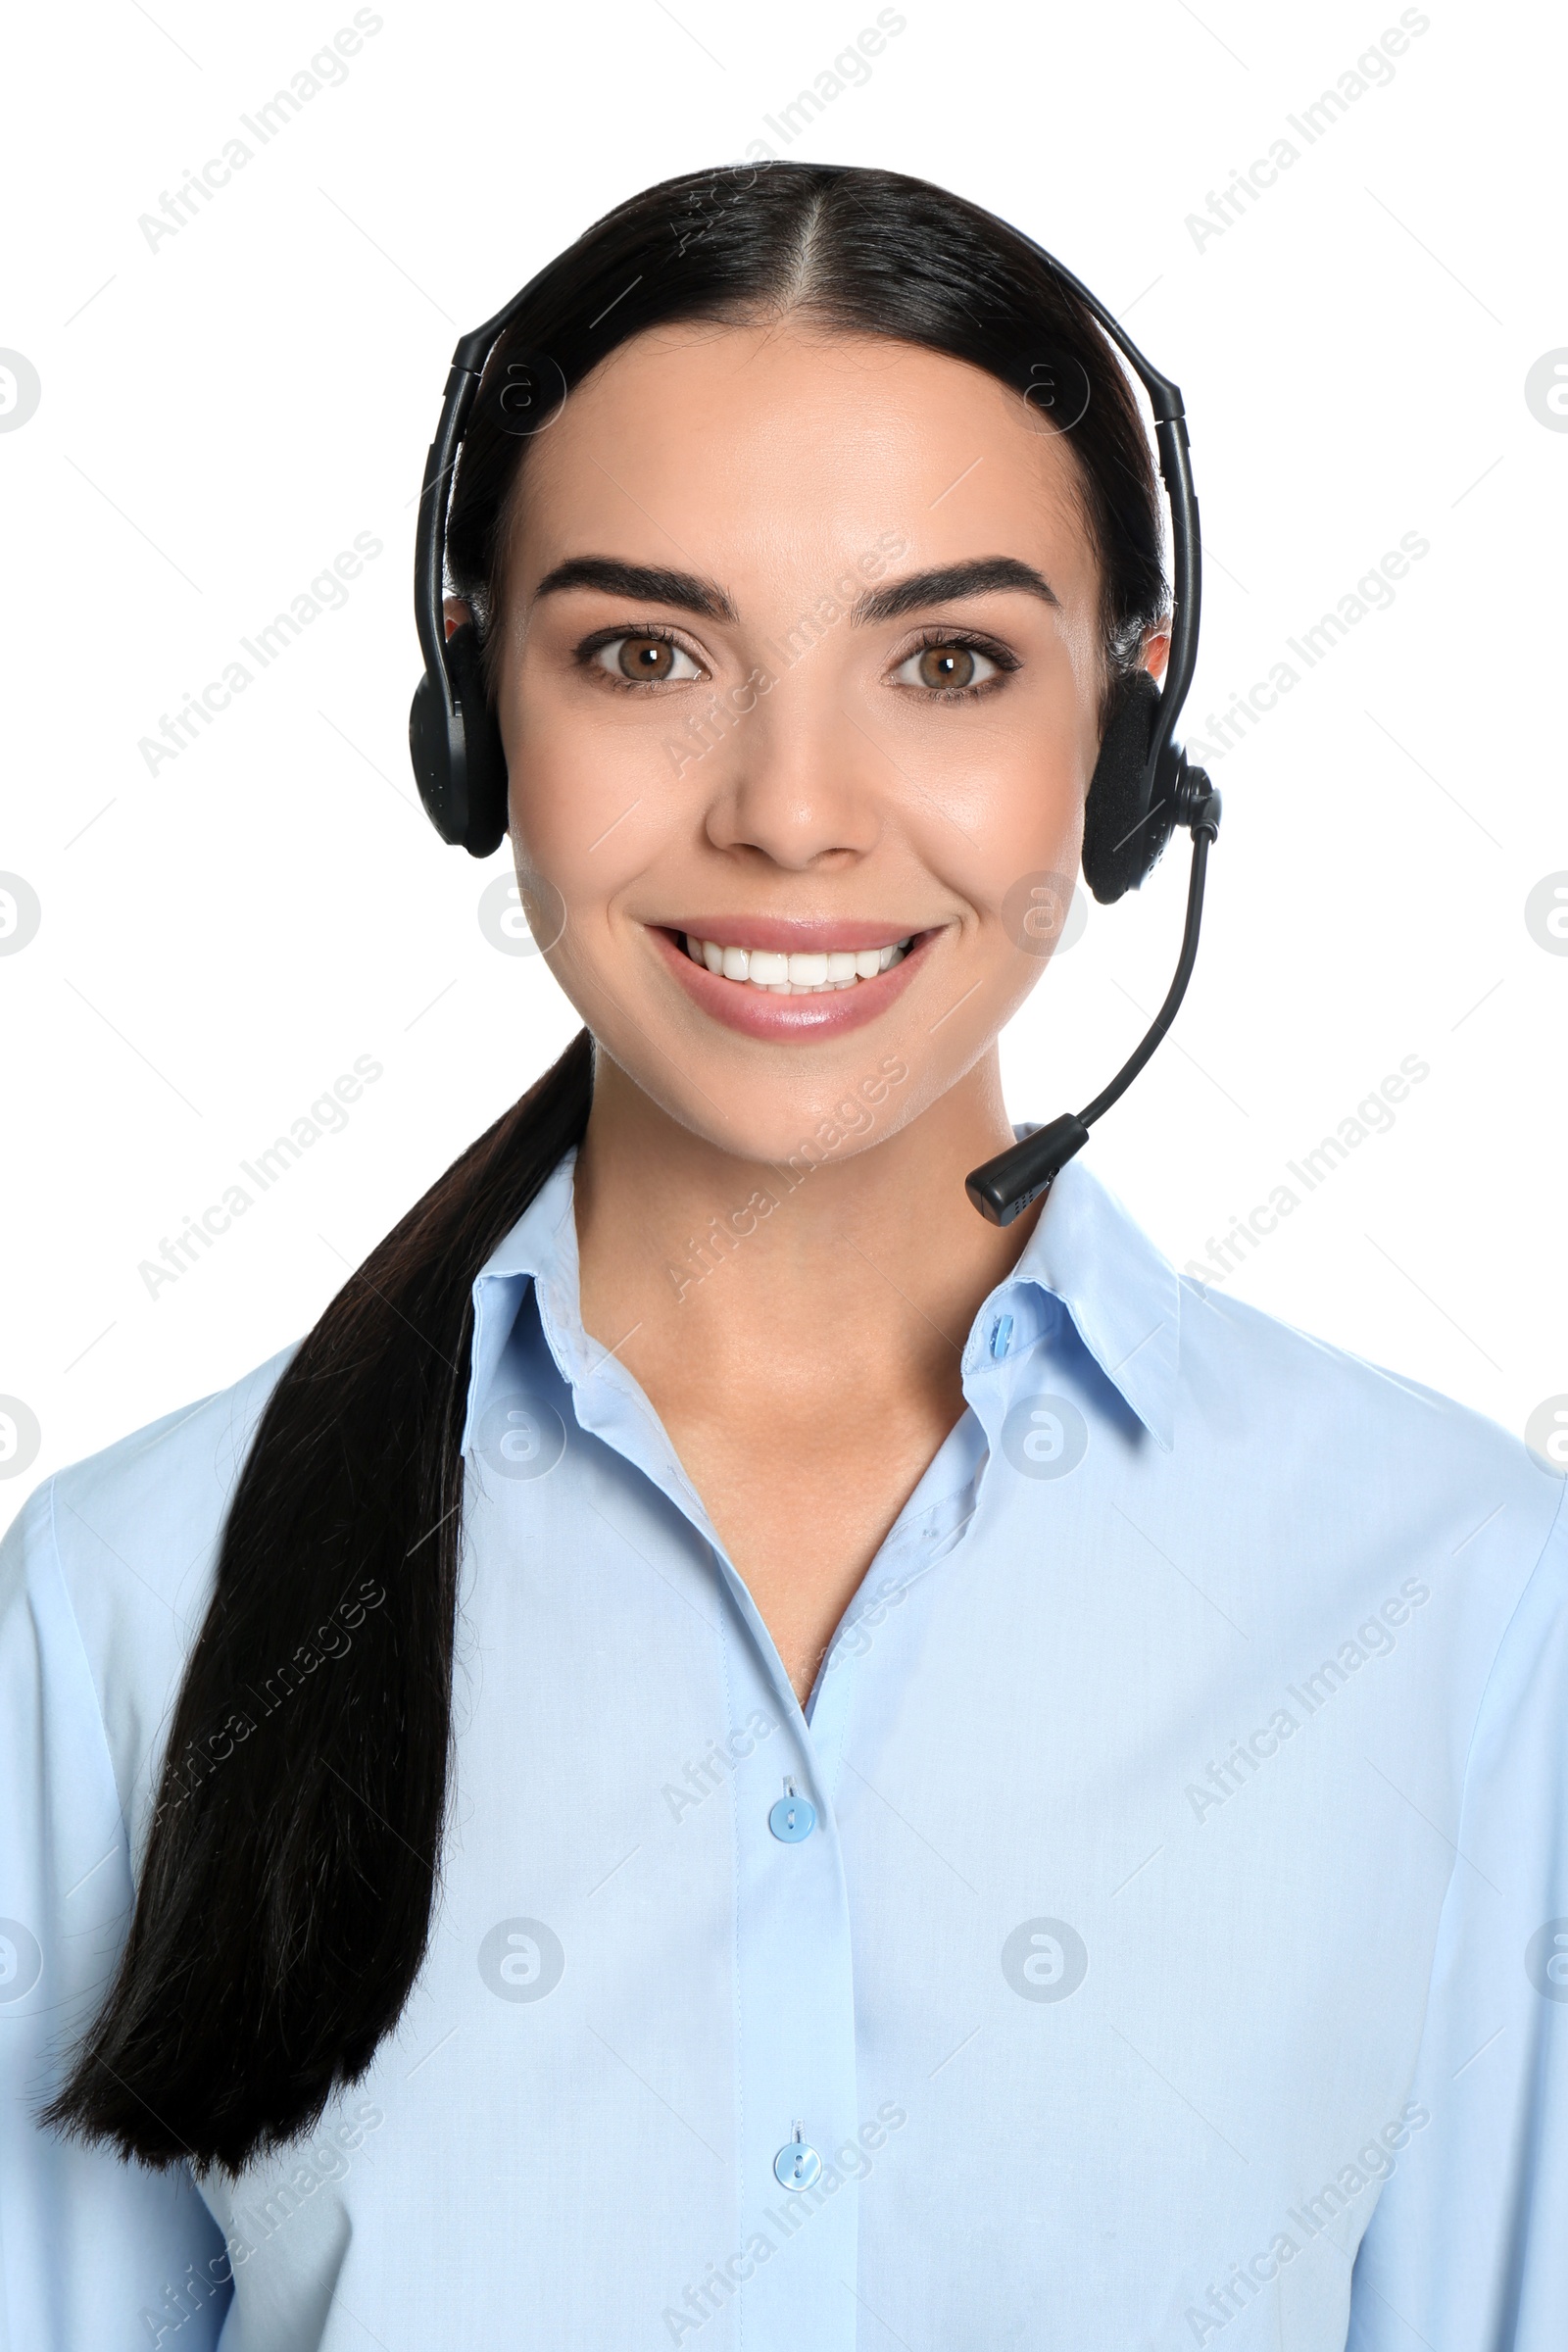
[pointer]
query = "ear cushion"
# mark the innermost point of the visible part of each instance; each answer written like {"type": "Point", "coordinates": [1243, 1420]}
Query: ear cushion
{"type": "Point", "coordinates": [1121, 840]}
{"type": "Point", "coordinates": [484, 760]}
{"type": "Point", "coordinates": [431, 754]}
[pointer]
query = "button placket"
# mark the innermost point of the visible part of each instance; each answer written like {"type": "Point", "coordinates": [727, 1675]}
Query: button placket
{"type": "Point", "coordinates": [795, 2036]}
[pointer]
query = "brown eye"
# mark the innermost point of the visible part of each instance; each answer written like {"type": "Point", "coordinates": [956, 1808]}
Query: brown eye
{"type": "Point", "coordinates": [948, 667]}
{"type": "Point", "coordinates": [651, 660]}
{"type": "Point", "coordinates": [646, 658]}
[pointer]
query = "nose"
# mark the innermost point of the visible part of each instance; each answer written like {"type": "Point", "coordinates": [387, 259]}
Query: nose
{"type": "Point", "coordinates": [798, 779]}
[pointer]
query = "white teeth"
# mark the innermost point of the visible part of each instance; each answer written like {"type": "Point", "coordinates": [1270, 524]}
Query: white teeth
{"type": "Point", "coordinates": [816, 974]}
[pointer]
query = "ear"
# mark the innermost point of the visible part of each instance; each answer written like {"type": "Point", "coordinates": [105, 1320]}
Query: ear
{"type": "Point", "coordinates": [1156, 650]}
{"type": "Point", "coordinates": [456, 613]}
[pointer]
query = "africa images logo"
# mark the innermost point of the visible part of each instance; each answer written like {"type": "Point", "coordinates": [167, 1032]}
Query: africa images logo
{"type": "Point", "coordinates": [521, 1960]}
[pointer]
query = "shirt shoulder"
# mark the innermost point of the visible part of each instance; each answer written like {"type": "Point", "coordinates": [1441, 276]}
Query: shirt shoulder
{"type": "Point", "coordinates": [118, 1553]}
{"type": "Point", "coordinates": [1331, 1435]}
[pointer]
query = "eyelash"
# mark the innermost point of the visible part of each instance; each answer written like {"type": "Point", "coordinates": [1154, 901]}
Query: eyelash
{"type": "Point", "coordinates": [965, 640]}
{"type": "Point", "coordinates": [652, 629]}
{"type": "Point", "coordinates": [988, 648]}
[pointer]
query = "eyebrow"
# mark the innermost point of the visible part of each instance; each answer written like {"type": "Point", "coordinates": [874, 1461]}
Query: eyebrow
{"type": "Point", "coordinates": [945, 583]}
{"type": "Point", "coordinates": [949, 581]}
{"type": "Point", "coordinates": [644, 582]}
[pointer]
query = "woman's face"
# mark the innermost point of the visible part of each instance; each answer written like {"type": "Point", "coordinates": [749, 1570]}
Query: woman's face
{"type": "Point", "coordinates": [801, 659]}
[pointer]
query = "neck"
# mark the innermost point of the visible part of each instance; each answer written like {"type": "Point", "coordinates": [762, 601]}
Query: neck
{"type": "Point", "coordinates": [700, 1264]}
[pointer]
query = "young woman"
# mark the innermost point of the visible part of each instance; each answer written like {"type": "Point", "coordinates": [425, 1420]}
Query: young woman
{"type": "Point", "coordinates": [728, 1751]}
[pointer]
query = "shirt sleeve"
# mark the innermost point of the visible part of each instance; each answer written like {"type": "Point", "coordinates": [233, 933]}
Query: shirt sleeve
{"type": "Point", "coordinates": [96, 2255]}
{"type": "Point", "coordinates": [1467, 2250]}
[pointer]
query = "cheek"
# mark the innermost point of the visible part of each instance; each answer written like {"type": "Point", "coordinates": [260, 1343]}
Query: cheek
{"type": "Point", "coordinates": [587, 791]}
{"type": "Point", "coordinates": [1014, 867]}
{"type": "Point", "coordinates": [1035, 809]}
{"type": "Point", "coordinates": [593, 804]}
{"type": "Point", "coordinates": [1018, 816]}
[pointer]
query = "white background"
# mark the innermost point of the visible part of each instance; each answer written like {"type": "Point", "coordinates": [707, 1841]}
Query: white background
{"type": "Point", "coordinates": [223, 413]}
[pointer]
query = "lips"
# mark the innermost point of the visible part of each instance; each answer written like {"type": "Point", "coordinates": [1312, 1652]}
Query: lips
{"type": "Point", "coordinates": [777, 1006]}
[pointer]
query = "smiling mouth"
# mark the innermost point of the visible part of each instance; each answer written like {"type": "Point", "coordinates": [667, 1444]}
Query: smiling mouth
{"type": "Point", "coordinates": [821, 972]}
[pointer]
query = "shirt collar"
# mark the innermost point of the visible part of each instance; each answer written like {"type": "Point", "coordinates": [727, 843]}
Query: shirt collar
{"type": "Point", "coordinates": [1123, 1296]}
{"type": "Point", "coordinates": [541, 1247]}
{"type": "Point", "coordinates": [1086, 1251]}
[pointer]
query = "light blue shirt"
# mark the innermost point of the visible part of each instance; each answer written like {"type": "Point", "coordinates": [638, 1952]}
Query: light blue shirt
{"type": "Point", "coordinates": [1166, 1943]}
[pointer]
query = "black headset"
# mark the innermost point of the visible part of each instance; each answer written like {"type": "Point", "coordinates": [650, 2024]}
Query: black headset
{"type": "Point", "coordinates": [1142, 785]}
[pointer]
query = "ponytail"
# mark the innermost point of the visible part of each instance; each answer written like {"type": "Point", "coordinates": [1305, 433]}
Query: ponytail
{"type": "Point", "coordinates": [283, 1907]}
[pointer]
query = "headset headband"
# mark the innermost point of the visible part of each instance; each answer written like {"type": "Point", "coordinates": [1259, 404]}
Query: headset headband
{"type": "Point", "coordinates": [473, 351]}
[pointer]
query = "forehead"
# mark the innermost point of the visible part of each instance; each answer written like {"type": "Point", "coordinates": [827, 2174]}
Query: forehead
{"type": "Point", "coordinates": [757, 448]}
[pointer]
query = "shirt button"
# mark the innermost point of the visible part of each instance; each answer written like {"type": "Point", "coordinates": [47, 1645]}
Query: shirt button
{"type": "Point", "coordinates": [797, 2166]}
{"type": "Point", "coordinates": [1000, 1337]}
{"type": "Point", "coordinates": [792, 1818]}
